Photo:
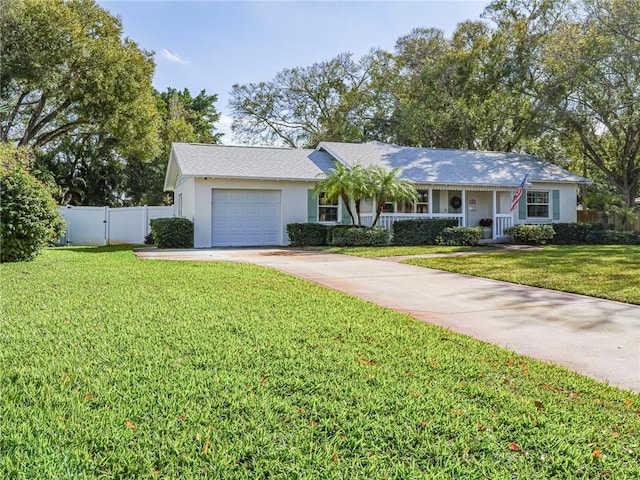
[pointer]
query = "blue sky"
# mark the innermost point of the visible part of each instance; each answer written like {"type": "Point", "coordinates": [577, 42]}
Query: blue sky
{"type": "Point", "coordinates": [212, 45]}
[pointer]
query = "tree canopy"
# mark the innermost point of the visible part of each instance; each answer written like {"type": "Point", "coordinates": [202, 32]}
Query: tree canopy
{"type": "Point", "coordinates": [79, 94]}
{"type": "Point", "coordinates": [555, 78]}
{"type": "Point", "coordinates": [67, 72]}
{"type": "Point", "coordinates": [335, 100]}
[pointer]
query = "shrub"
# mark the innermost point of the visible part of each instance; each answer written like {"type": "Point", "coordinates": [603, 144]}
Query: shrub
{"type": "Point", "coordinates": [29, 218]}
{"type": "Point", "coordinates": [573, 233]}
{"type": "Point", "coordinates": [612, 237]}
{"type": "Point", "coordinates": [423, 231]}
{"type": "Point", "coordinates": [307, 234]}
{"type": "Point", "coordinates": [337, 229]}
{"type": "Point", "coordinates": [148, 239]}
{"type": "Point", "coordinates": [354, 236]}
{"type": "Point", "coordinates": [458, 236]}
{"type": "Point", "coordinates": [172, 232]}
{"type": "Point", "coordinates": [530, 234]}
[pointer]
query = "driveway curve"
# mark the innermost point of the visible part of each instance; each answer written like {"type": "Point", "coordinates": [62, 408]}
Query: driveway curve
{"type": "Point", "coordinates": [595, 337]}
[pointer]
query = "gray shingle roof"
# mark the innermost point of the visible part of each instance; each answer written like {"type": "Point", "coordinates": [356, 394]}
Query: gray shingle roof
{"type": "Point", "coordinates": [451, 167]}
{"type": "Point", "coordinates": [202, 160]}
{"type": "Point", "coordinates": [422, 165]}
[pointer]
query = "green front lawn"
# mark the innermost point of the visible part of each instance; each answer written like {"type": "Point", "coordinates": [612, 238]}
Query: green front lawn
{"type": "Point", "coordinates": [113, 367]}
{"type": "Point", "coordinates": [392, 251]}
{"type": "Point", "coordinates": [604, 271]}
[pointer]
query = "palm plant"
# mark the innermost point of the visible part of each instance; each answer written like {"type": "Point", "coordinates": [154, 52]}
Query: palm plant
{"type": "Point", "coordinates": [385, 186]}
{"type": "Point", "coordinates": [339, 183]}
{"type": "Point", "coordinates": [357, 183]}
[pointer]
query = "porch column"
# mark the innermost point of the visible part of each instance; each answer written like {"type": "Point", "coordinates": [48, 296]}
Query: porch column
{"type": "Point", "coordinates": [430, 201]}
{"type": "Point", "coordinates": [464, 207]}
{"type": "Point", "coordinates": [494, 213]}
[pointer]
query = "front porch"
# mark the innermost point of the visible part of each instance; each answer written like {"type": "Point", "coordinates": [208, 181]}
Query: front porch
{"type": "Point", "coordinates": [467, 206]}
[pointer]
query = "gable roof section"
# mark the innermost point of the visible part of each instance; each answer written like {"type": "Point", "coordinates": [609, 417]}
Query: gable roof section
{"type": "Point", "coordinates": [451, 167]}
{"type": "Point", "coordinates": [264, 163]}
{"type": "Point", "coordinates": [421, 165]}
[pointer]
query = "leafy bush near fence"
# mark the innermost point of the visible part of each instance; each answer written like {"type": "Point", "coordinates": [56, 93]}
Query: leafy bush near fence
{"type": "Point", "coordinates": [460, 236]}
{"type": "Point", "coordinates": [29, 218]}
{"type": "Point", "coordinates": [423, 231]}
{"type": "Point", "coordinates": [612, 237]}
{"type": "Point", "coordinates": [359, 237]}
{"type": "Point", "coordinates": [172, 232]}
{"type": "Point", "coordinates": [530, 234]}
{"type": "Point", "coordinates": [307, 234]}
{"type": "Point", "coordinates": [574, 233]}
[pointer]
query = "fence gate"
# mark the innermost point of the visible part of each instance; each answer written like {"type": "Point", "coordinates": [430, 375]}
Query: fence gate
{"type": "Point", "coordinates": [109, 226]}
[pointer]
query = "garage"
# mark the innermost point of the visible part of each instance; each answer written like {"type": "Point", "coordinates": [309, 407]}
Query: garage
{"type": "Point", "coordinates": [245, 218]}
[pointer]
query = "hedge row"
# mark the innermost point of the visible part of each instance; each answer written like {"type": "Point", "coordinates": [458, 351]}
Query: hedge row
{"type": "Point", "coordinates": [612, 237]}
{"type": "Point", "coordinates": [317, 234]}
{"type": "Point", "coordinates": [460, 236]}
{"type": "Point", "coordinates": [423, 231]}
{"type": "Point", "coordinates": [530, 234]}
{"type": "Point", "coordinates": [574, 233]}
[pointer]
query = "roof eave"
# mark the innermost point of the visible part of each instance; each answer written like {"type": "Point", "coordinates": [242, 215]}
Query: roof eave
{"type": "Point", "coordinates": [244, 177]}
{"type": "Point", "coordinates": [171, 175]}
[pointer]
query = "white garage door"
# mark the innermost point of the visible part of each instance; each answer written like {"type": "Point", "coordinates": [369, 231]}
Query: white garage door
{"type": "Point", "coordinates": [245, 217]}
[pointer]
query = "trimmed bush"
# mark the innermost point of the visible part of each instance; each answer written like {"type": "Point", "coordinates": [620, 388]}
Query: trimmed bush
{"type": "Point", "coordinates": [29, 218]}
{"type": "Point", "coordinates": [307, 234]}
{"type": "Point", "coordinates": [172, 232]}
{"type": "Point", "coordinates": [359, 237]}
{"type": "Point", "coordinates": [612, 237]}
{"type": "Point", "coordinates": [337, 229]}
{"type": "Point", "coordinates": [422, 231]}
{"type": "Point", "coordinates": [573, 233]}
{"type": "Point", "coordinates": [460, 236]}
{"type": "Point", "coordinates": [530, 234]}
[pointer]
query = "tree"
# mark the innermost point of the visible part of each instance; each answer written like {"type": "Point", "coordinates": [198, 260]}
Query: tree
{"type": "Point", "coordinates": [335, 100]}
{"type": "Point", "coordinates": [67, 72]}
{"type": "Point", "coordinates": [342, 183]}
{"type": "Point", "coordinates": [469, 92]}
{"type": "Point", "coordinates": [354, 184]}
{"type": "Point", "coordinates": [29, 218]}
{"type": "Point", "coordinates": [184, 118]}
{"type": "Point", "coordinates": [598, 99]}
{"type": "Point", "coordinates": [384, 186]}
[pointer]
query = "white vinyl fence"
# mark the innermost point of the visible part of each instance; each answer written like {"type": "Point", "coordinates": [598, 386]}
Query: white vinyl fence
{"type": "Point", "coordinates": [109, 226]}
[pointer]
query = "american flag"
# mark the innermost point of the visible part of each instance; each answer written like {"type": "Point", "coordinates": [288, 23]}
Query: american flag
{"type": "Point", "coordinates": [516, 197]}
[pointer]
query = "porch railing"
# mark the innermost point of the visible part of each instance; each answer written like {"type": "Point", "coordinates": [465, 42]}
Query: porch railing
{"type": "Point", "coordinates": [503, 220]}
{"type": "Point", "coordinates": [387, 220]}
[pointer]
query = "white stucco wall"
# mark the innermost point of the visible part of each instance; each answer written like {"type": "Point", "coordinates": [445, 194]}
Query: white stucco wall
{"type": "Point", "coordinates": [185, 187]}
{"type": "Point", "coordinates": [293, 203]}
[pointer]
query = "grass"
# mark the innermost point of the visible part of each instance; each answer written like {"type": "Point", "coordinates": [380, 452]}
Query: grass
{"type": "Point", "coordinates": [392, 251]}
{"type": "Point", "coordinates": [604, 271]}
{"type": "Point", "coordinates": [113, 367]}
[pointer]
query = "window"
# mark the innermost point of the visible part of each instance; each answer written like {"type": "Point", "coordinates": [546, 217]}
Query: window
{"type": "Point", "coordinates": [422, 205]}
{"type": "Point", "coordinates": [180, 205]}
{"type": "Point", "coordinates": [404, 207]}
{"type": "Point", "coordinates": [327, 210]}
{"type": "Point", "coordinates": [389, 207]}
{"type": "Point", "coordinates": [537, 204]}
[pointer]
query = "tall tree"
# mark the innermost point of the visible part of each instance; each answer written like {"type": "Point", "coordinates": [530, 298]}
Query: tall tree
{"type": "Point", "coordinates": [67, 72]}
{"type": "Point", "coordinates": [184, 118]}
{"type": "Point", "coordinates": [332, 100]}
{"type": "Point", "coordinates": [596, 61]}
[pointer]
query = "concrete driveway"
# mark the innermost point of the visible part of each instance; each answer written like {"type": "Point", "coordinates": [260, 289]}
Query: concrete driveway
{"type": "Point", "coordinates": [598, 338]}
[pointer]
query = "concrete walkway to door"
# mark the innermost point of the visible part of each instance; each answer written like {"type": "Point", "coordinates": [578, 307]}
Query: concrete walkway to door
{"type": "Point", "coordinates": [598, 338]}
